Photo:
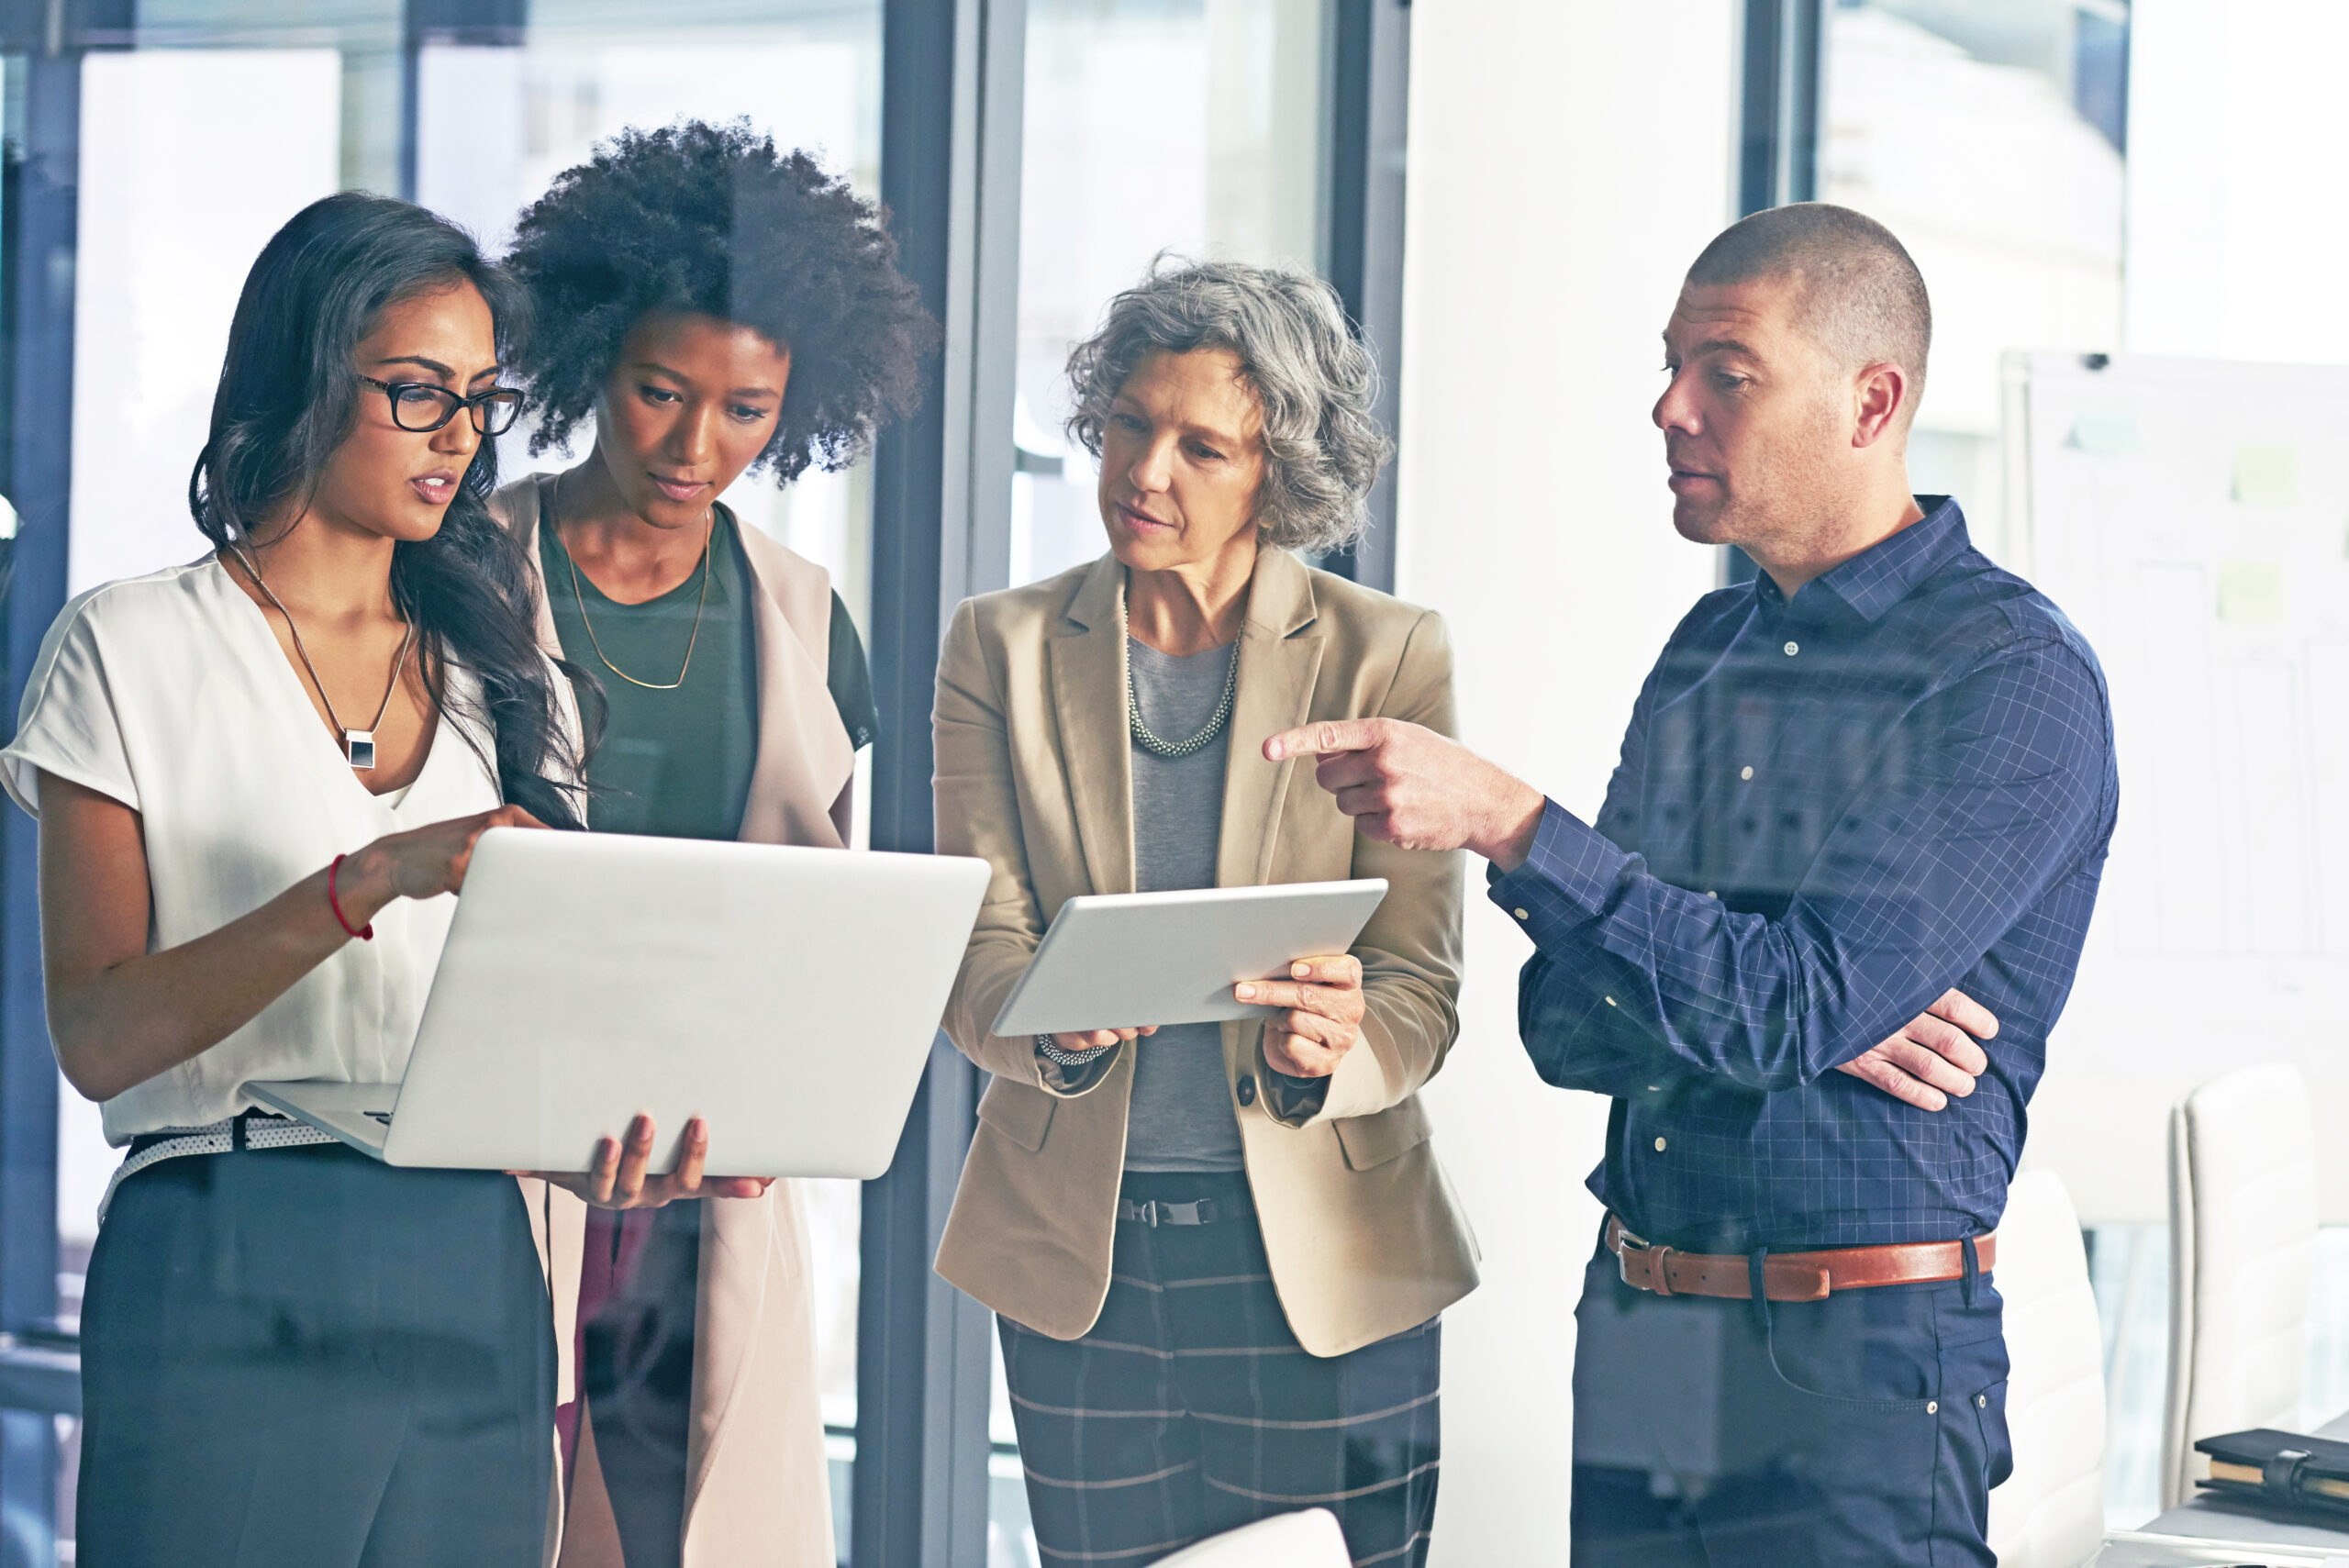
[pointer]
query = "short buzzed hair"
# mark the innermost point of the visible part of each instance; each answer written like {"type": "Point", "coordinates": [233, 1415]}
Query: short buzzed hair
{"type": "Point", "coordinates": [1862, 298]}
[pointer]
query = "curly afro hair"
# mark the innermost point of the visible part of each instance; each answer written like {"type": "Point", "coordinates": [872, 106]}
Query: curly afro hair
{"type": "Point", "coordinates": [713, 220]}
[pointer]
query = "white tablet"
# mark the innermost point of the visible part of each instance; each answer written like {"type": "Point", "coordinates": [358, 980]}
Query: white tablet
{"type": "Point", "coordinates": [1124, 959]}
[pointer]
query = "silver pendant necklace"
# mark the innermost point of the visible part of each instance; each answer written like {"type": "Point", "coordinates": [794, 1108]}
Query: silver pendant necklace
{"type": "Point", "coordinates": [1173, 750]}
{"type": "Point", "coordinates": [357, 745]}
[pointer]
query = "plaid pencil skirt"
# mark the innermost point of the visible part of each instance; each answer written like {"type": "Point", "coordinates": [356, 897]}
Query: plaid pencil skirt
{"type": "Point", "coordinates": [1189, 1408]}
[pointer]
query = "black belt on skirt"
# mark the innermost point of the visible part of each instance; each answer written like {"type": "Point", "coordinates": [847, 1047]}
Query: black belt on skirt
{"type": "Point", "coordinates": [1206, 1211]}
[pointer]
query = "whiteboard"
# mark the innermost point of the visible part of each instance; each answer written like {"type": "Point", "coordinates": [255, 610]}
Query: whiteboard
{"type": "Point", "coordinates": [2193, 519]}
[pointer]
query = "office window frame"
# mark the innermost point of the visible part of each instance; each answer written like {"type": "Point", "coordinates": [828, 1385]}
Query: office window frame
{"type": "Point", "coordinates": [1368, 140]}
{"type": "Point", "coordinates": [1782, 60]}
{"type": "Point", "coordinates": [949, 174]}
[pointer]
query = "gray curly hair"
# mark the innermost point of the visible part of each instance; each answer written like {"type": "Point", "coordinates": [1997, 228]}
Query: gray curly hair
{"type": "Point", "coordinates": [1314, 384]}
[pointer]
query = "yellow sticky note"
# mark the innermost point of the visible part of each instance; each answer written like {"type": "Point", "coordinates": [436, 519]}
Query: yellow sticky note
{"type": "Point", "coordinates": [2250, 591]}
{"type": "Point", "coordinates": [2268, 476]}
{"type": "Point", "coordinates": [2106, 432]}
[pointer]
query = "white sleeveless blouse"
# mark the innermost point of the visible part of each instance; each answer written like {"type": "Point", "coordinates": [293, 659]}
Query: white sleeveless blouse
{"type": "Point", "coordinates": [170, 693]}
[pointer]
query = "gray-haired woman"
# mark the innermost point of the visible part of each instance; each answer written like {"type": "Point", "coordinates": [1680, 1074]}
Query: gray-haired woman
{"type": "Point", "coordinates": [1217, 1253]}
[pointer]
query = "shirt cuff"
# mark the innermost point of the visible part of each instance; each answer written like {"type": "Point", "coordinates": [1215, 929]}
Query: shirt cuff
{"type": "Point", "coordinates": [1566, 881]}
{"type": "Point", "coordinates": [1293, 1101]}
{"type": "Point", "coordinates": [1081, 1070]}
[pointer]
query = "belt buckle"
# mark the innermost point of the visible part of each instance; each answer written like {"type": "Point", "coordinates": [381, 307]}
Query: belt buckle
{"type": "Point", "coordinates": [1658, 1259]}
{"type": "Point", "coordinates": [1148, 1215]}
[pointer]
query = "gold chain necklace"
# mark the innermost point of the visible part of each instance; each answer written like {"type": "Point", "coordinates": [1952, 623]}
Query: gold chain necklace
{"type": "Point", "coordinates": [580, 599]}
{"type": "Point", "coordinates": [357, 745]}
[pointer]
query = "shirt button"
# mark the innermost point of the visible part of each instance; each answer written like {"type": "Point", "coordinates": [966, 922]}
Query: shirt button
{"type": "Point", "coordinates": [1247, 1088]}
{"type": "Point", "coordinates": [1659, 1145]}
{"type": "Point", "coordinates": [1793, 649]}
{"type": "Point", "coordinates": [1745, 772]}
{"type": "Point", "coordinates": [1610, 1001]}
{"type": "Point", "coordinates": [1982, 1402]}
{"type": "Point", "coordinates": [1712, 893]}
{"type": "Point", "coordinates": [1518, 913]}
{"type": "Point", "coordinates": [1932, 1407]}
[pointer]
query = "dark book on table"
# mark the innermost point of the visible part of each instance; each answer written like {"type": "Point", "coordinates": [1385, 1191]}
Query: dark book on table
{"type": "Point", "coordinates": [2282, 1469]}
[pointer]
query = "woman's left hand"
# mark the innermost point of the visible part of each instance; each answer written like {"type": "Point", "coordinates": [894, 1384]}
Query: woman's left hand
{"type": "Point", "coordinates": [1324, 1018]}
{"type": "Point", "coordinates": [618, 1179]}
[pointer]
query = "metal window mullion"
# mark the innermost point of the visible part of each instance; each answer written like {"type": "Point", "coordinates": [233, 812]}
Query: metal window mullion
{"type": "Point", "coordinates": [951, 74]}
{"type": "Point", "coordinates": [42, 231]}
{"type": "Point", "coordinates": [1783, 73]}
{"type": "Point", "coordinates": [1784, 48]}
{"type": "Point", "coordinates": [1368, 121]}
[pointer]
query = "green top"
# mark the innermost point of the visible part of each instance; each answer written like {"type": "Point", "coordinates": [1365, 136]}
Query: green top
{"type": "Point", "coordinates": [678, 763]}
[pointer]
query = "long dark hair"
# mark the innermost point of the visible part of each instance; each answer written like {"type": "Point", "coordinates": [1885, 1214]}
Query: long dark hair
{"type": "Point", "coordinates": [289, 391]}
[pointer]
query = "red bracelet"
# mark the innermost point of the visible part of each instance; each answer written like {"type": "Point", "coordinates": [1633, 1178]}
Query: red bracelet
{"type": "Point", "coordinates": [365, 933]}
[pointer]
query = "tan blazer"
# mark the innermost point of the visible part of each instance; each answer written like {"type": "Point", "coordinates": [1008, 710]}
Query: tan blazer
{"type": "Point", "coordinates": [757, 1490]}
{"type": "Point", "coordinates": [1035, 775]}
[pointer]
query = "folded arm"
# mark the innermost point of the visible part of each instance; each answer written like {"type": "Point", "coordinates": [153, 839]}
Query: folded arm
{"type": "Point", "coordinates": [1633, 977]}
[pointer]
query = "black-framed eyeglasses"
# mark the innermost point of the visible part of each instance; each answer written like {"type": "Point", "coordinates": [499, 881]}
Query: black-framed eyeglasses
{"type": "Point", "coordinates": [422, 407]}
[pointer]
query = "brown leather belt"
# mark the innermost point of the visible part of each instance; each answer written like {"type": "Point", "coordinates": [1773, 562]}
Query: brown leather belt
{"type": "Point", "coordinates": [1792, 1276]}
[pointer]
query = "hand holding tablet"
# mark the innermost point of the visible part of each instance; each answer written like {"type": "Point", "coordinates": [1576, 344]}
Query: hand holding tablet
{"type": "Point", "coordinates": [1179, 958]}
{"type": "Point", "coordinates": [1324, 1003]}
{"type": "Point", "coordinates": [1099, 1040]}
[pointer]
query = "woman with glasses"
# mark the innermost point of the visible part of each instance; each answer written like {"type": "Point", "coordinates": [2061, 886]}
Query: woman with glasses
{"type": "Point", "coordinates": [1217, 1250]}
{"type": "Point", "coordinates": [714, 306]}
{"type": "Point", "coordinates": [257, 777]}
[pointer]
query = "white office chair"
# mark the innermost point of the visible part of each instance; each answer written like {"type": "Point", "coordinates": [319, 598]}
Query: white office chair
{"type": "Point", "coordinates": [1309, 1540]}
{"type": "Point", "coordinates": [2050, 1512]}
{"type": "Point", "coordinates": [2242, 1249]}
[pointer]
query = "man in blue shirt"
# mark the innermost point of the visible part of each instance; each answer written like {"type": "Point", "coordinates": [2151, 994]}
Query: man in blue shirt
{"type": "Point", "coordinates": [1877, 780]}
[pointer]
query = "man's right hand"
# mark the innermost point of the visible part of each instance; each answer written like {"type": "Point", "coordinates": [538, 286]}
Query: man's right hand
{"type": "Point", "coordinates": [1934, 1057]}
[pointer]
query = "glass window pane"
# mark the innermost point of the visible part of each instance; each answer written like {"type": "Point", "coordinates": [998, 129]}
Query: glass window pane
{"type": "Point", "coordinates": [495, 123]}
{"type": "Point", "coordinates": [299, 98]}
{"type": "Point", "coordinates": [1989, 137]}
{"type": "Point", "coordinates": [1191, 127]}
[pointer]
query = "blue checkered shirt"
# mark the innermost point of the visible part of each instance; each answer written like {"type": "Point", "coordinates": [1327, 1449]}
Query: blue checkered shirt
{"type": "Point", "coordinates": [1829, 811]}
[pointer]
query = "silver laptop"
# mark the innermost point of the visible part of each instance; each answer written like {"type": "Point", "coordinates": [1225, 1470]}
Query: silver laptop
{"type": "Point", "coordinates": [787, 995]}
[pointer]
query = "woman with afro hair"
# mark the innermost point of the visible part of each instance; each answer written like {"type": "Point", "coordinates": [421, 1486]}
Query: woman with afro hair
{"type": "Point", "coordinates": [713, 305]}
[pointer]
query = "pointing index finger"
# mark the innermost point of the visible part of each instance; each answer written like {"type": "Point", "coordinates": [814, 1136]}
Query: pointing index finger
{"type": "Point", "coordinates": [1329, 736]}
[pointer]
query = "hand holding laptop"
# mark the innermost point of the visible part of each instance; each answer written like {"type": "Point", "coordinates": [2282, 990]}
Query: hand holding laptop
{"type": "Point", "coordinates": [618, 1180]}
{"type": "Point", "coordinates": [608, 1007]}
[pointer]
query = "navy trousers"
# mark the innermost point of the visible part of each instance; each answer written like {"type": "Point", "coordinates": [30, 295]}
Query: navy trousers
{"type": "Point", "coordinates": [1190, 1409]}
{"type": "Point", "coordinates": [1868, 1428]}
{"type": "Point", "coordinates": [303, 1358]}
